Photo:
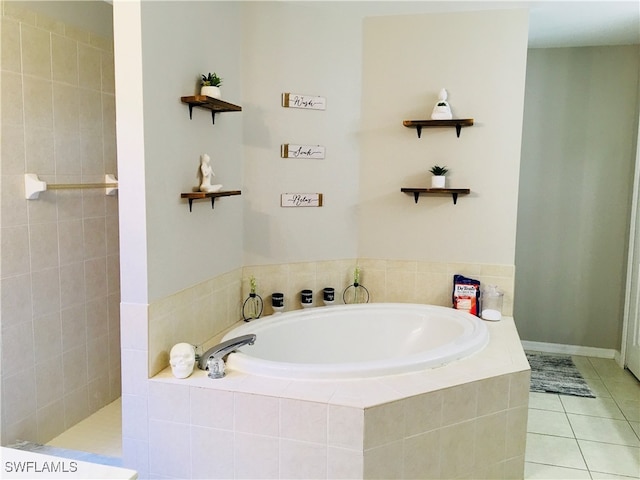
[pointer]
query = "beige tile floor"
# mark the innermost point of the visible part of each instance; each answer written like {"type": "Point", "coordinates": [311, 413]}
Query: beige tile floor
{"type": "Point", "coordinates": [587, 438]}
{"type": "Point", "coordinates": [100, 433]}
{"type": "Point", "coordinates": [568, 437]}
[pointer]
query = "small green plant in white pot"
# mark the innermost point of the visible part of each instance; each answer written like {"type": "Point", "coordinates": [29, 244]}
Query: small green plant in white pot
{"type": "Point", "coordinates": [210, 85]}
{"type": "Point", "coordinates": [438, 180]}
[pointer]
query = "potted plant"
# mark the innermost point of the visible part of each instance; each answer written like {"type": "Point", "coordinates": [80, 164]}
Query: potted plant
{"type": "Point", "coordinates": [210, 85]}
{"type": "Point", "coordinates": [438, 180]}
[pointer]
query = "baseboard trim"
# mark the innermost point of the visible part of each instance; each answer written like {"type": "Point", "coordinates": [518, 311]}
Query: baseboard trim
{"type": "Point", "coordinates": [570, 349]}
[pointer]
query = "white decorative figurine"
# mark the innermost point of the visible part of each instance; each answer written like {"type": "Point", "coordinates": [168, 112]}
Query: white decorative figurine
{"type": "Point", "coordinates": [442, 110]}
{"type": "Point", "coordinates": [182, 359]}
{"type": "Point", "coordinates": [206, 173]}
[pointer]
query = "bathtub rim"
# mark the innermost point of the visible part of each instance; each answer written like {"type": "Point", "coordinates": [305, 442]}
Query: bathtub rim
{"type": "Point", "coordinates": [474, 339]}
{"type": "Point", "coordinates": [504, 355]}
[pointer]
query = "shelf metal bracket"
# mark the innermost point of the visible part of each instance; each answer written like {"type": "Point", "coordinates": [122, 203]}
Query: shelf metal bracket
{"type": "Point", "coordinates": [454, 192]}
{"type": "Point", "coordinates": [213, 200]}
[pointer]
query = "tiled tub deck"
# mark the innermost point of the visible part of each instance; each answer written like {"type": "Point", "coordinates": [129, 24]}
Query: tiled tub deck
{"type": "Point", "coordinates": [467, 419]}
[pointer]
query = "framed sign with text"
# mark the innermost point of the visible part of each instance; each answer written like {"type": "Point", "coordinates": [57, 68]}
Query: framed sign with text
{"type": "Point", "coordinates": [297, 100]}
{"type": "Point", "coordinates": [289, 150]}
{"type": "Point", "coordinates": [301, 200]}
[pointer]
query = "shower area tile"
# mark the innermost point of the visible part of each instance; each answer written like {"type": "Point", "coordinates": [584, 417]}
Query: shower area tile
{"type": "Point", "coordinates": [59, 310]}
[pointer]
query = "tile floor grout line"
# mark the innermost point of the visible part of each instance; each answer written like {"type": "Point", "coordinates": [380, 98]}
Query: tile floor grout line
{"type": "Point", "coordinates": [561, 466]}
{"type": "Point", "coordinates": [611, 395]}
{"type": "Point", "coordinates": [617, 401]}
{"type": "Point", "coordinates": [617, 404]}
{"type": "Point", "coordinates": [584, 459]}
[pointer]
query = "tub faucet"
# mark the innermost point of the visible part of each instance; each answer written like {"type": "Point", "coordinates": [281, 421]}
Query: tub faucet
{"type": "Point", "coordinates": [213, 359]}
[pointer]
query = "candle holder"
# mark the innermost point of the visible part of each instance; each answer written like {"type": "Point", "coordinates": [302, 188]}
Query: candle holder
{"type": "Point", "coordinates": [329, 295]}
{"type": "Point", "coordinates": [306, 298]}
{"type": "Point", "coordinates": [277, 302]}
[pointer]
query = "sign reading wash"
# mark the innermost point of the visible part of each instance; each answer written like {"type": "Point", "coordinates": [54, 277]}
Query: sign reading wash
{"type": "Point", "coordinates": [289, 150]}
{"type": "Point", "coordinates": [301, 200]}
{"type": "Point", "coordinates": [296, 100]}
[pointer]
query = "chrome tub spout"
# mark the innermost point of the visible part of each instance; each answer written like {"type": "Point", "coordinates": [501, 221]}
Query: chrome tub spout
{"type": "Point", "coordinates": [213, 359]}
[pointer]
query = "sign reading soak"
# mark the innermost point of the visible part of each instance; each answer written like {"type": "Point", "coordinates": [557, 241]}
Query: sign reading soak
{"type": "Point", "coordinates": [289, 150]}
{"type": "Point", "coordinates": [301, 200]}
{"type": "Point", "coordinates": [297, 100]}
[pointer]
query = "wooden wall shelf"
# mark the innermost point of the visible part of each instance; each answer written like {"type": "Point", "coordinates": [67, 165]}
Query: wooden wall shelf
{"type": "Point", "coordinates": [212, 195]}
{"type": "Point", "coordinates": [209, 103]}
{"type": "Point", "coordinates": [456, 122]}
{"type": "Point", "coordinates": [454, 192]}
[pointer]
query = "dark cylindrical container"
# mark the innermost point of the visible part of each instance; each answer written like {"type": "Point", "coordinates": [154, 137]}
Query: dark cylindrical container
{"type": "Point", "coordinates": [277, 299]}
{"type": "Point", "coordinates": [329, 294]}
{"type": "Point", "coordinates": [306, 297]}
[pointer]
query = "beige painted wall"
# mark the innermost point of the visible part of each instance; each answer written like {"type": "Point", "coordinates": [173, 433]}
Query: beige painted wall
{"type": "Point", "coordinates": [578, 154]}
{"type": "Point", "coordinates": [479, 58]}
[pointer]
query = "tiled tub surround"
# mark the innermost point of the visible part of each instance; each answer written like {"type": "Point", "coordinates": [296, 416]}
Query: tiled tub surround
{"type": "Point", "coordinates": [388, 280]}
{"type": "Point", "coordinates": [197, 314]}
{"type": "Point", "coordinates": [464, 420]}
{"type": "Point", "coordinates": [193, 315]}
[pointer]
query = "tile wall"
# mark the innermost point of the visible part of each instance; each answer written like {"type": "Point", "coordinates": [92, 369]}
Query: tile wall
{"type": "Point", "coordinates": [193, 315]}
{"type": "Point", "coordinates": [197, 314]}
{"type": "Point", "coordinates": [401, 281]}
{"type": "Point", "coordinates": [60, 253]}
{"type": "Point", "coordinates": [475, 430]}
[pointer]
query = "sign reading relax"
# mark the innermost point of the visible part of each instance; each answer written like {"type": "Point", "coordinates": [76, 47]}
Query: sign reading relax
{"type": "Point", "coordinates": [301, 200]}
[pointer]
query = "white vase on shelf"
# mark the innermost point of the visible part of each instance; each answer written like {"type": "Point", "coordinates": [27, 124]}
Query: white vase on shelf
{"type": "Point", "coordinates": [209, 91]}
{"type": "Point", "coordinates": [438, 181]}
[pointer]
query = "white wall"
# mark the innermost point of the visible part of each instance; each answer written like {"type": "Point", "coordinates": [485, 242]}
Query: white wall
{"type": "Point", "coordinates": [162, 48]}
{"type": "Point", "coordinates": [127, 46]}
{"type": "Point", "coordinates": [479, 57]}
{"type": "Point", "coordinates": [320, 53]}
{"type": "Point", "coordinates": [180, 41]}
{"type": "Point", "coordinates": [308, 49]}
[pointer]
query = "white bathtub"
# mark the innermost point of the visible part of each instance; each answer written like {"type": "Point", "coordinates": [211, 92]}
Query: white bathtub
{"type": "Point", "coordinates": [357, 341]}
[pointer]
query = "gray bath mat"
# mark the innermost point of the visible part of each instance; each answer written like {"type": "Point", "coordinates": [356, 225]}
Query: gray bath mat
{"type": "Point", "coordinates": [556, 374]}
